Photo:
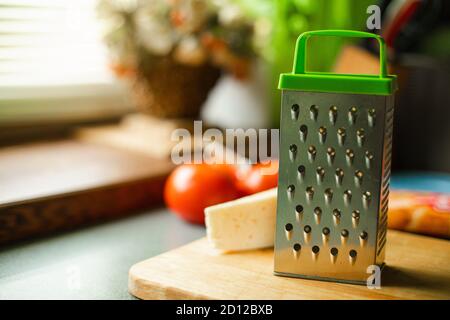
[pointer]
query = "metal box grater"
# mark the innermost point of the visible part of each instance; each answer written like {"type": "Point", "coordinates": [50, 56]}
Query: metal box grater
{"type": "Point", "coordinates": [335, 157]}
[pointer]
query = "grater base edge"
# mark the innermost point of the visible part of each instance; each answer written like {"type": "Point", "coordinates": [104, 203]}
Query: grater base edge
{"type": "Point", "coordinates": [326, 279]}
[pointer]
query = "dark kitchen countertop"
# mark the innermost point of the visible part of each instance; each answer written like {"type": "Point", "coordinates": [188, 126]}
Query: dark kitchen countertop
{"type": "Point", "coordinates": [90, 263]}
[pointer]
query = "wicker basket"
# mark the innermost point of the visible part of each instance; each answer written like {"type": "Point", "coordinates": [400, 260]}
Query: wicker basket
{"type": "Point", "coordinates": [164, 88]}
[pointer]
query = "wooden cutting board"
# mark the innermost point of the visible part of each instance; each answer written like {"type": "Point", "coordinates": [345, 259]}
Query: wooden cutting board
{"type": "Point", "coordinates": [418, 267]}
{"type": "Point", "coordinates": [59, 185]}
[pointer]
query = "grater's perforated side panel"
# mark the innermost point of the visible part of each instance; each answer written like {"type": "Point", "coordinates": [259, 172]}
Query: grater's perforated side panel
{"type": "Point", "coordinates": [333, 159]}
{"type": "Point", "coordinates": [386, 175]}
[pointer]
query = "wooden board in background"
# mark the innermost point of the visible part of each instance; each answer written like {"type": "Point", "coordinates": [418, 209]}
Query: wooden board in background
{"type": "Point", "coordinates": [418, 267]}
{"type": "Point", "coordinates": [52, 186]}
{"type": "Point", "coordinates": [138, 132]}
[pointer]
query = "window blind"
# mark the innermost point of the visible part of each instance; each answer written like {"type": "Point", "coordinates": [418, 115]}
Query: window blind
{"type": "Point", "coordinates": [51, 55]}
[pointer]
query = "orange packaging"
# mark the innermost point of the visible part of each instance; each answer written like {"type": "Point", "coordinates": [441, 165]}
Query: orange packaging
{"type": "Point", "coordinates": [420, 212]}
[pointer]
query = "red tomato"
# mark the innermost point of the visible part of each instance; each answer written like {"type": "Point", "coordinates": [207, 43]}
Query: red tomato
{"type": "Point", "coordinates": [191, 188]}
{"type": "Point", "coordinates": [258, 177]}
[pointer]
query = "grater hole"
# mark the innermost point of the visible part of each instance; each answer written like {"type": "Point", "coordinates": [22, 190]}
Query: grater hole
{"type": "Point", "coordinates": [301, 169]}
{"type": "Point", "coordinates": [303, 132]}
{"type": "Point", "coordinates": [337, 213]}
{"type": "Point", "coordinates": [333, 114]}
{"type": "Point", "coordinates": [344, 233]}
{"type": "Point", "coordinates": [359, 174]}
{"type": "Point", "coordinates": [312, 153]}
{"type": "Point", "coordinates": [314, 111]}
{"type": "Point", "coordinates": [341, 134]}
{"type": "Point", "coordinates": [328, 194]}
{"type": "Point", "coordinates": [292, 152]}
{"type": "Point", "coordinates": [326, 231]}
{"type": "Point", "coordinates": [339, 176]}
{"type": "Point", "coordinates": [366, 199]}
{"type": "Point", "coordinates": [288, 227]}
{"type": "Point", "coordinates": [315, 249]}
{"type": "Point", "coordinates": [360, 133]}
{"type": "Point", "coordinates": [334, 251]}
{"type": "Point", "coordinates": [297, 247]}
{"type": "Point", "coordinates": [349, 156]}
{"type": "Point", "coordinates": [369, 158]}
{"type": "Point", "coordinates": [356, 214]}
{"type": "Point", "coordinates": [358, 177]}
{"type": "Point", "coordinates": [322, 134]}
{"type": "Point", "coordinates": [317, 214]}
{"type": "Point", "coordinates": [307, 229]}
{"type": "Point", "coordinates": [320, 171]}
{"type": "Point", "coordinates": [360, 136]}
{"type": "Point", "coordinates": [363, 235]}
{"type": "Point", "coordinates": [310, 190]}
{"type": "Point", "coordinates": [299, 208]}
{"type": "Point", "coordinates": [294, 111]}
{"type": "Point", "coordinates": [352, 113]}
{"type": "Point", "coordinates": [353, 253]}
{"type": "Point", "coordinates": [331, 153]}
{"type": "Point", "coordinates": [347, 196]}
{"type": "Point", "coordinates": [349, 153]}
{"type": "Point", "coordinates": [372, 116]}
{"type": "Point", "coordinates": [291, 188]}
{"type": "Point", "coordinates": [341, 131]}
{"type": "Point", "coordinates": [312, 150]}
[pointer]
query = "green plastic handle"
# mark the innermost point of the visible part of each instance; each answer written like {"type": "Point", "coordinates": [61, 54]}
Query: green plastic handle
{"type": "Point", "coordinates": [300, 48]}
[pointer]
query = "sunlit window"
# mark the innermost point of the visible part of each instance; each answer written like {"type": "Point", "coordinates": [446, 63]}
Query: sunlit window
{"type": "Point", "coordinates": [51, 52]}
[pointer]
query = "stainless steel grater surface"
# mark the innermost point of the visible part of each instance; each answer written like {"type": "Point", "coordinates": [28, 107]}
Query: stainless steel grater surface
{"type": "Point", "coordinates": [333, 190]}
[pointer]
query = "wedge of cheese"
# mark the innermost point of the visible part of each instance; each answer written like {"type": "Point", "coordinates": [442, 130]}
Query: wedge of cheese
{"type": "Point", "coordinates": [243, 224]}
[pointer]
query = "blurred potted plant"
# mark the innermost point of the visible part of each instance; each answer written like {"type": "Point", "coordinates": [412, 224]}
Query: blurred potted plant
{"type": "Point", "coordinates": [173, 51]}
